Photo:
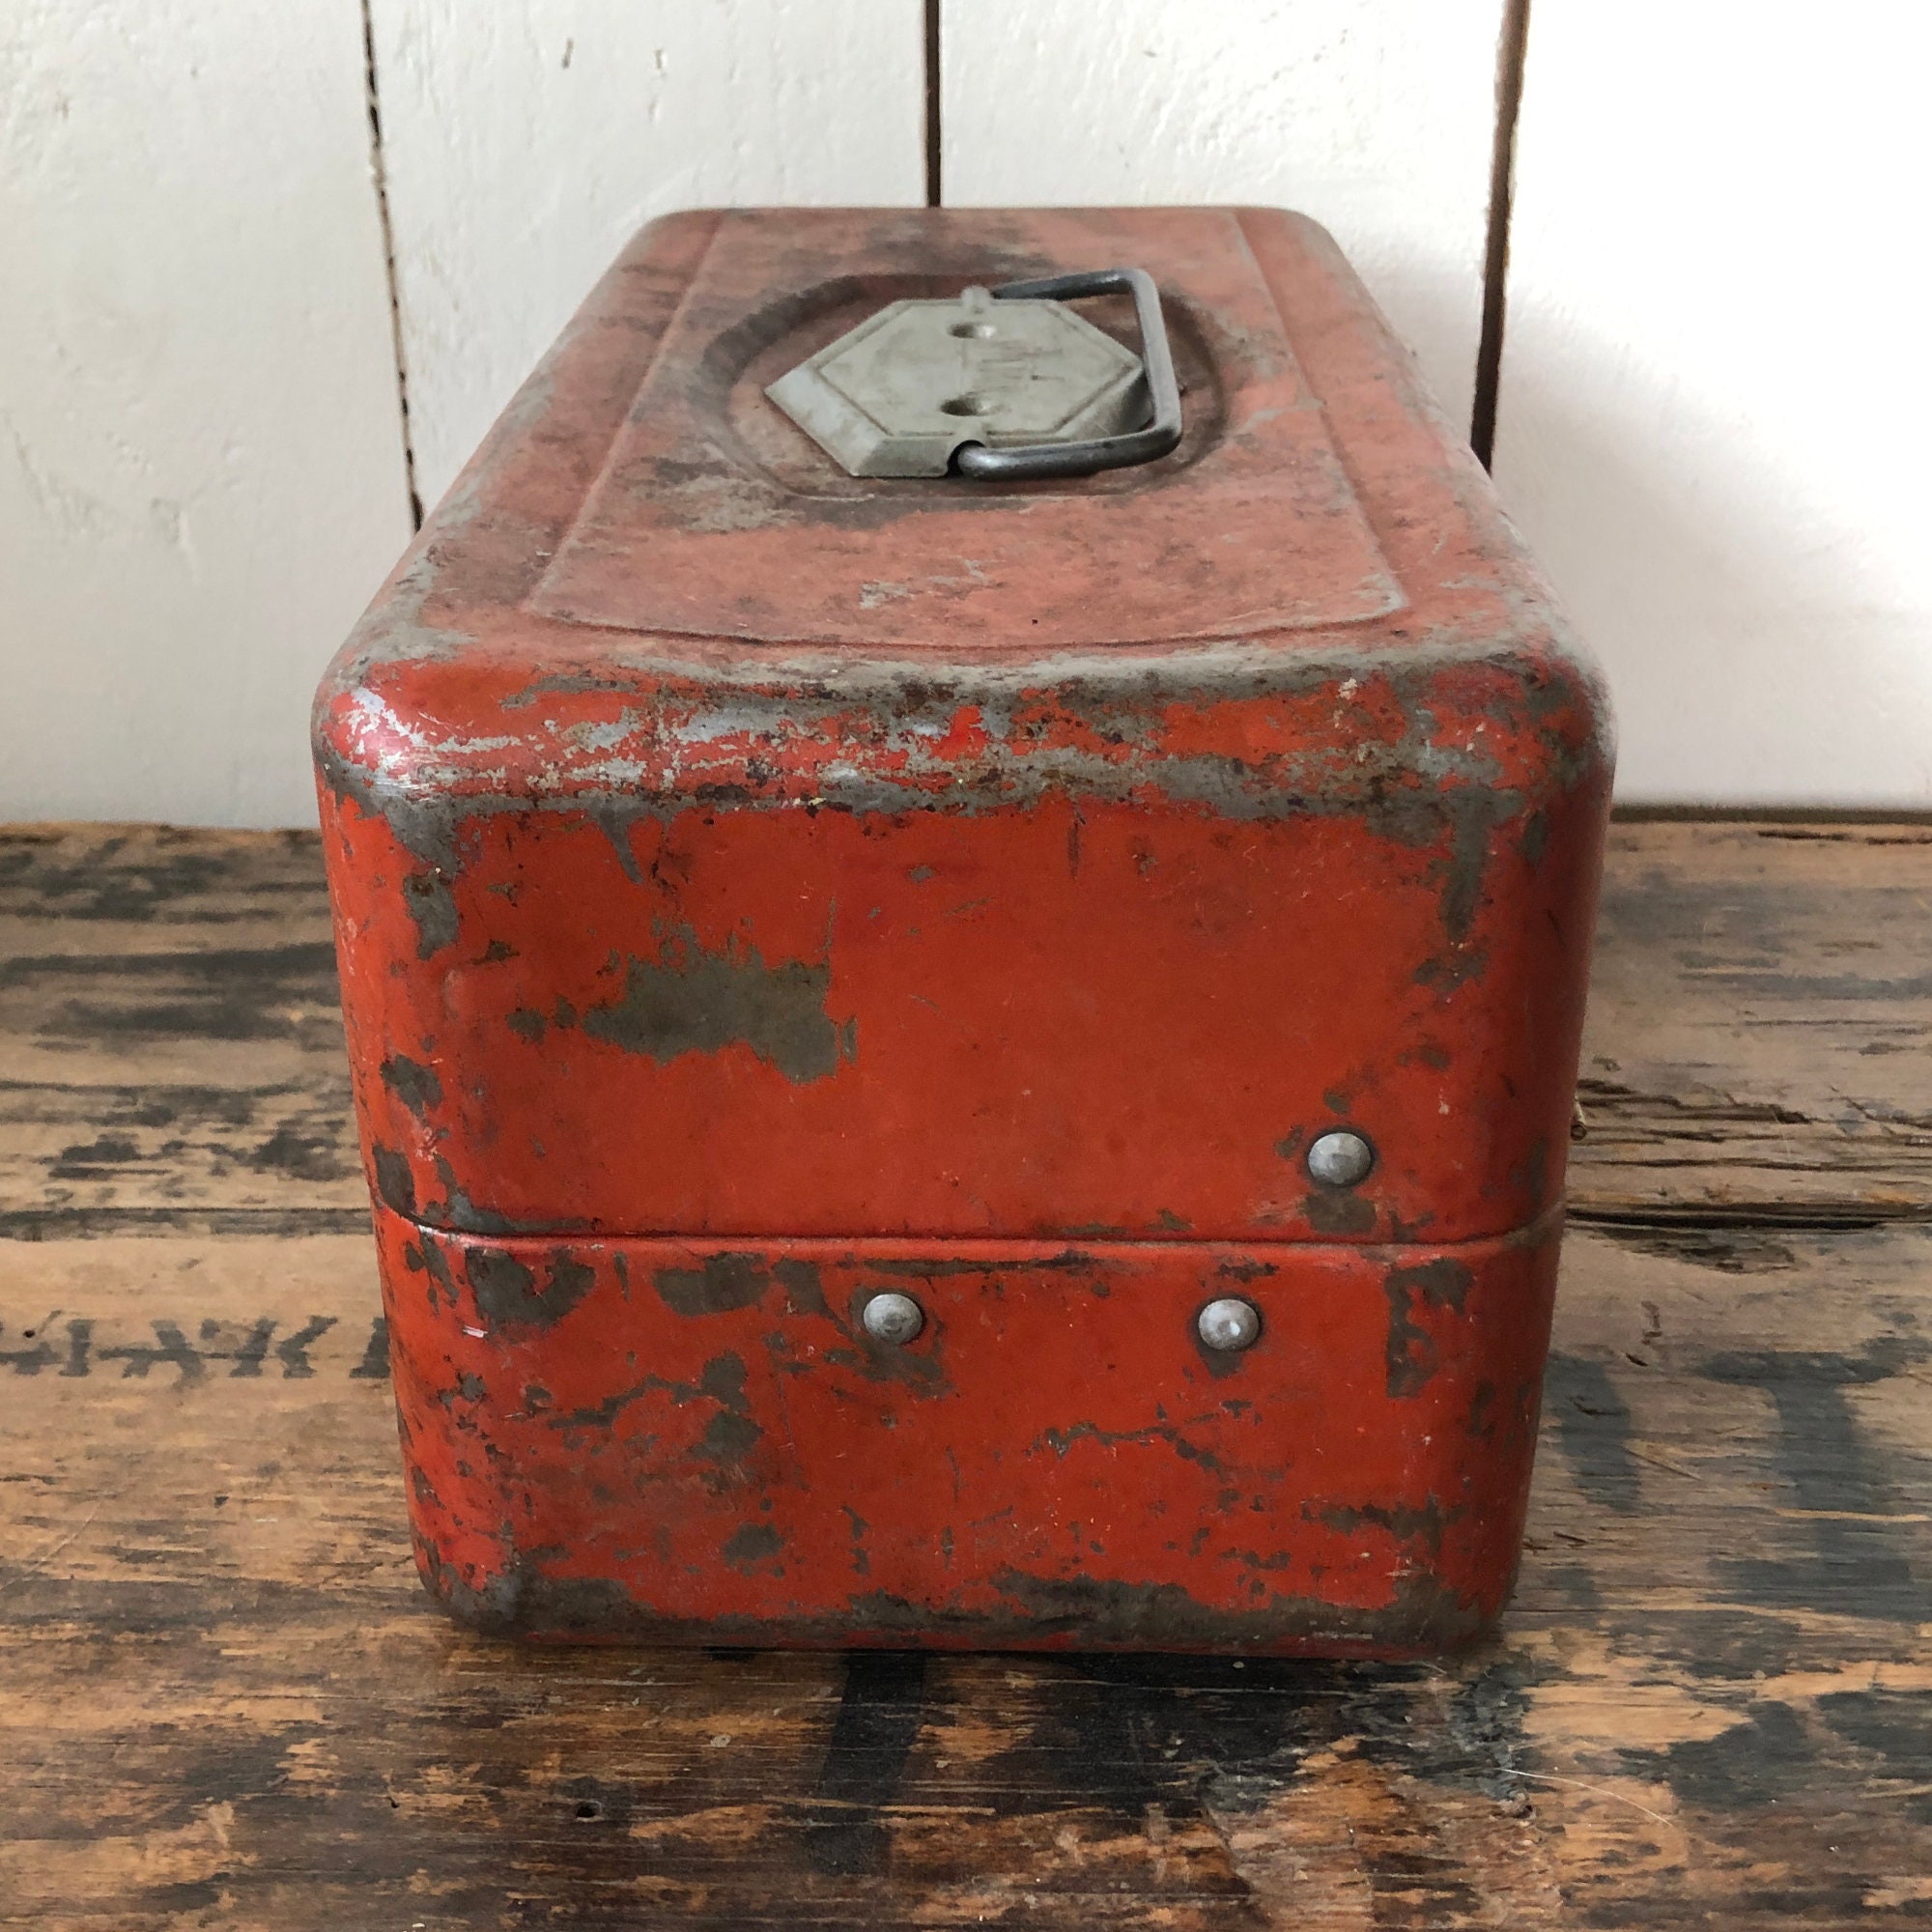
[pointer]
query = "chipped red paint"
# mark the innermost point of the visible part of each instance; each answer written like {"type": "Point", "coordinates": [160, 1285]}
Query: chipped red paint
{"type": "Point", "coordinates": [778, 885]}
{"type": "Point", "coordinates": [670, 1437]}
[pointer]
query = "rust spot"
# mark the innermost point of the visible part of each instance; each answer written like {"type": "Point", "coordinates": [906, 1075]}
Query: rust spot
{"type": "Point", "coordinates": [395, 1183]}
{"type": "Point", "coordinates": [1482, 1421]}
{"type": "Point", "coordinates": [730, 1281]}
{"type": "Point", "coordinates": [1245, 1270]}
{"type": "Point", "coordinates": [1442, 1282]}
{"type": "Point", "coordinates": [507, 1293]}
{"type": "Point", "coordinates": [432, 906]}
{"type": "Point", "coordinates": [697, 1002]}
{"type": "Point", "coordinates": [427, 1258]}
{"type": "Point", "coordinates": [1422, 1522]}
{"type": "Point", "coordinates": [754, 1544]}
{"type": "Point", "coordinates": [1338, 1210]}
{"type": "Point", "coordinates": [415, 1085]}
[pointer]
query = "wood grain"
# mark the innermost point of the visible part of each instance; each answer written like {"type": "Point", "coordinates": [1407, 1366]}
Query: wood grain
{"type": "Point", "coordinates": [1761, 1007]}
{"type": "Point", "coordinates": [172, 1040]}
{"type": "Point", "coordinates": [225, 1702]}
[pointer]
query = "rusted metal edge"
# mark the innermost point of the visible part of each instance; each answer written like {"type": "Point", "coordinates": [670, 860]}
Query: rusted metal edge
{"type": "Point", "coordinates": [943, 1253]}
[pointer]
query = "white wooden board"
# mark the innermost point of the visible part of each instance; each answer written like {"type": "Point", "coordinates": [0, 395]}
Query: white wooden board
{"type": "Point", "coordinates": [201, 475]}
{"type": "Point", "coordinates": [1715, 411]}
{"type": "Point", "coordinates": [1373, 116]}
{"type": "Point", "coordinates": [527, 139]}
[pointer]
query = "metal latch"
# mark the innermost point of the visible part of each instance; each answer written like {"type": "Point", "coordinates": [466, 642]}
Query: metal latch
{"type": "Point", "coordinates": [995, 383]}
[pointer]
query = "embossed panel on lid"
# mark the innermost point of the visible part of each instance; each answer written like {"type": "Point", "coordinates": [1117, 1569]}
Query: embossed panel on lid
{"type": "Point", "coordinates": [714, 515]}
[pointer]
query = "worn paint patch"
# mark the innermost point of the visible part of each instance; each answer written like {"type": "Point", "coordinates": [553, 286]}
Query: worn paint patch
{"type": "Point", "coordinates": [1338, 1212]}
{"type": "Point", "coordinates": [458, 1211]}
{"type": "Point", "coordinates": [1421, 1523]}
{"type": "Point", "coordinates": [433, 907]}
{"type": "Point", "coordinates": [1423, 1617]}
{"type": "Point", "coordinates": [724, 1282]}
{"type": "Point", "coordinates": [754, 1544]}
{"type": "Point", "coordinates": [1442, 1282]}
{"type": "Point", "coordinates": [919, 1364]}
{"type": "Point", "coordinates": [692, 1001]}
{"type": "Point", "coordinates": [395, 1181]}
{"type": "Point", "coordinates": [415, 1085]}
{"type": "Point", "coordinates": [506, 1288]}
{"type": "Point", "coordinates": [427, 1258]}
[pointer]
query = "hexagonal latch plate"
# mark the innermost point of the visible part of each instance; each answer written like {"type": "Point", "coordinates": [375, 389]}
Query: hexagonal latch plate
{"type": "Point", "coordinates": [901, 394]}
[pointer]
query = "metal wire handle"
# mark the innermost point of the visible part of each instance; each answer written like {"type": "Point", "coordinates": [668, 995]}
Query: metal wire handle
{"type": "Point", "coordinates": [1030, 459]}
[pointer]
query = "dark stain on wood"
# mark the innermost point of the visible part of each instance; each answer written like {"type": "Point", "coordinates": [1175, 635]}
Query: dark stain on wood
{"type": "Point", "coordinates": [1592, 1423]}
{"type": "Point", "coordinates": [881, 1710]}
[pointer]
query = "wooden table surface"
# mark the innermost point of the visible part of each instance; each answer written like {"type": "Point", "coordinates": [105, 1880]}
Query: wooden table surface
{"type": "Point", "coordinates": [226, 1703]}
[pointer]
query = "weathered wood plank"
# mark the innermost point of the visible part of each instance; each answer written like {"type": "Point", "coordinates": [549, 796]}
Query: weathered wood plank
{"type": "Point", "coordinates": [1711, 1704]}
{"type": "Point", "coordinates": [172, 1039]}
{"type": "Point", "coordinates": [1760, 1012]}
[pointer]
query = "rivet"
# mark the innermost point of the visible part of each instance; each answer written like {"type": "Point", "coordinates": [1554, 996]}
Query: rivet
{"type": "Point", "coordinates": [1341, 1158]}
{"type": "Point", "coordinates": [892, 1316]}
{"type": "Point", "coordinates": [1230, 1324]}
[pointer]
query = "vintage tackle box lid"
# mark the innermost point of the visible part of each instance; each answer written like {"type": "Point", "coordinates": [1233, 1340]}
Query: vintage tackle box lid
{"type": "Point", "coordinates": [643, 503]}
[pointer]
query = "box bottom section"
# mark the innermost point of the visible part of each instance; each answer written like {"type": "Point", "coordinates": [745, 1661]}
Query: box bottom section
{"type": "Point", "coordinates": [667, 1440]}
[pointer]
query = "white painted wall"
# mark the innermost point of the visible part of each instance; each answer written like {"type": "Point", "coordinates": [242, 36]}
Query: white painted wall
{"type": "Point", "coordinates": [201, 475]}
{"type": "Point", "coordinates": [1375, 116]}
{"type": "Point", "coordinates": [527, 139]}
{"type": "Point", "coordinates": [1713, 410]}
{"type": "Point", "coordinates": [1715, 416]}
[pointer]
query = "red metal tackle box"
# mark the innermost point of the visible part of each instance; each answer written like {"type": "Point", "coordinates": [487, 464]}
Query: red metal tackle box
{"type": "Point", "coordinates": [962, 1054]}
